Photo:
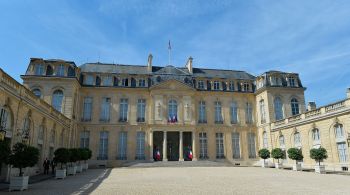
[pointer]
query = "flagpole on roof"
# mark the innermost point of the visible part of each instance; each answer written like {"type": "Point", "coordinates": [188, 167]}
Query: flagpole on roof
{"type": "Point", "coordinates": [169, 52]}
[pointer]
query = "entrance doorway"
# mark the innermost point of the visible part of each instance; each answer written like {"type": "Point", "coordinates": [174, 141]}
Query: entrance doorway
{"type": "Point", "coordinates": [173, 146]}
{"type": "Point", "coordinates": [187, 144]}
{"type": "Point", "coordinates": [158, 143]}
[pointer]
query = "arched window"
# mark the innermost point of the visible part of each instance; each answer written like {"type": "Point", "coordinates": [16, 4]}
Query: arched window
{"type": "Point", "coordinates": [71, 71]}
{"type": "Point", "coordinates": [49, 70]}
{"type": "Point", "coordinates": [297, 139]}
{"type": "Point", "coordinates": [339, 132]}
{"type": "Point", "coordinates": [26, 128]}
{"type": "Point", "coordinates": [115, 81]}
{"type": "Point", "coordinates": [5, 119]}
{"type": "Point", "coordinates": [60, 70]}
{"type": "Point", "coordinates": [98, 81]}
{"type": "Point", "coordinates": [133, 82]}
{"type": "Point", "coordinates": [278, 108]}
{"type": "Point", "coordinates": [316, 135]}
{"type": "Point", "coordinates": [265, 140]}
{"type": "Point", "coordinates": [281, 140]}
{"type": "Point", "coordinates": [262, 111]}
{"type": "Point", "coordinates": [172, 113]}
{"type": "Point", "coordinates": [294, 106]}
{"type": "Point", "coordinates": [37, 92]}
{"type": "Point", "coordinates": [57, 99]}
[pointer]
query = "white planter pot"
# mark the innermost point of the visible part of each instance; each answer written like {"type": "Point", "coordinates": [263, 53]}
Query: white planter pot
{"type": "Point", "coordinates": [278, 165]}
{"type": "Point", "coordinates": [19, 183]}
{"type": "Point", "coordinates": [61, 173]}
{"type": "Point", "coordinates": [79, 168]}
{"type": "Point", "coordinates": [72, 170]}
{"type": "Point", "coordinates": [320, 169]}
{"type": "Point", "coordinates": [264, 164]}
{"type": "Point", "coordinates": [297, 167]}
{"type": "Point", "coordinates": [85, 166]}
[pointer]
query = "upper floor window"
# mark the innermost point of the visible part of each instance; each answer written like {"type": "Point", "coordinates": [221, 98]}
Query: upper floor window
{"type": "Point", "coordinates": [294, 106]}
{"type": "Point", "coordinates": [115, 81]}
{"type": "Point", "coordinates": [277, 102]}
{"type": "Point", "coordinates": [216, 85]}
{"type": "Point", "coordinates": [234, 113]}
{"type": "Point", "coordinates": [339, 132]}
{"type": "Point", "coordinates": [37, 92]}
{"type": "Point", "coordinates": [265, 140]}
{"type": "Point", "coordinates": [200, 84]}
{"type": "Point", "coordinates": [202, 112]}
{"type": "Point", "coordinates": [172, 111]}
{"type": "Point", "coordinates": [231, 86]}
{"type": "Point", "coordinates": [89, 80]}
{"type": "Point", "coordinates": [297, 139]}
{"type": "Point", "coordinates": [84, 139]}
{"type": "Point", "coordinates": [316, 135]}
{"type": "Point", "coordinates": [142, 83]}
{"type": "Point", "coordinates": [5, 119]}
{"type": "Point", "coordinates": [49, 70]}
{"type": "Point", "coordinates": [39, 69]}
{"type": "Point", "coordinates": [71, 71]}
{"type": "Point", "coordinates": [141, 110]}
{"type": "Point", "coordinates": [123, 112]}
{"type": "Point", "coordinates": [105, 109]}
{"type": "Point", "coordinates": [262, 111]}
{"type": "Point", "coordinates": [57, 99]}
{"type": "Point", "coordinates": [249, 113]}
{"type": "Point", "coordinates": [60, 70]}
{"type": "Point", "coordinates": [125, 82]}
{"type": "Point", "coordinates": [87, 109]}
{"type": "Point", "coordinates": [275, 81]}
{"type": "Point", "coordinates": [245, 86]}
{"type": "Point", "coordinates": [291, 81]}
{"type": "Point", "coordinates": [107, 80]}
{"type": "Point", "coordinates": [218, 112]}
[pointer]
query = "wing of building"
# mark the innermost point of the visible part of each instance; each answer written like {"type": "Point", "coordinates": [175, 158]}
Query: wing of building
{"type": "Point", "coordinates": [127, 113]}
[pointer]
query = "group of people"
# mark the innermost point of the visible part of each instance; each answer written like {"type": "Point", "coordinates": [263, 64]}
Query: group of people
{"type": "Point", "coordinates": [47, 164]}
{"type": "Point", "coordinates": [157, 157]}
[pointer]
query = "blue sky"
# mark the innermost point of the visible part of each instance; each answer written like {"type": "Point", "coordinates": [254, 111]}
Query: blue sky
{"type": "Point", "coordinates": [310, 37]}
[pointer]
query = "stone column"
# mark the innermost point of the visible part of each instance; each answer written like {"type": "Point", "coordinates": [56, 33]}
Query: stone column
{"type": "Point", "coordinates": [181, 152]}
{"type": "Point", "coordinates": [151, 146]}
{"type": "Point", "coordinates": [194, 153]}
{"type": "Point", "coordinates": [165, 146]}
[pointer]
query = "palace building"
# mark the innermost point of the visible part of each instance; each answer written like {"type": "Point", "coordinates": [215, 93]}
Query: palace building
{"type": "Point", "coordinates": [124, 113]}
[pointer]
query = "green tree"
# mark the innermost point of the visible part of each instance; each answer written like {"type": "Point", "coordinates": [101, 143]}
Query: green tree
{"type": "Point", "coordinates": [23, 156]}
{"type": "Point", "coordinates": [295, 154]}
{"type": "Point", "coordinates": [62, 156]}
{"type": "Point", "coordinates": [318, 154]}
{"type": "Point", "coordinates": [264, 154]}
{"type": "Point", "coordinates": [277, 153]}
{"type": "Point", "coordinates": [73, 155]}
{"type": "Point", "coordinates": [5, 151]}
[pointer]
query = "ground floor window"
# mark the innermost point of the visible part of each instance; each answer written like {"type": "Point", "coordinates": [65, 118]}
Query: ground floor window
{"type": "Point", "coordinates": [343, 157]}
{"type": "Point", "coordinates": [203, 145]}
{"type": "Point", "coordinates": [220, 145]}
{"type": "Point", "coordinates": [122, 146]}
{"type": "Point", "coordinates": [236, 151]}
{"type": "Point", "coordinates": [103, 148]}
{"type": "Point", "coordinates": [140, 146]}
{"type": "Point", "coordinates": [251, 145]}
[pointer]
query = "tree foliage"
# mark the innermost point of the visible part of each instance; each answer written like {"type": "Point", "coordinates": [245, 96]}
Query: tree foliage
{"type": "Point", "coordinates": [318, 154]}
{"type": "Point", "coordinates": [277, 153]}
{"type": "Point", "coordinates": [23, 156]}
{"type": "Point", "coordinates": [264, 153]}
{"type": "Point", "coordinates": [5, 151]}
{"type": "Point", "coordinates": [62, 156]}
{"type": "Point", "coordinates": [295, 154]}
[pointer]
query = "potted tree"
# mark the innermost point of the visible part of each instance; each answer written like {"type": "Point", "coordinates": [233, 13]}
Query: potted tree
{"type": "Point", "coordinates": [264, 154]}
{"type": "Point", "coordinates": [61, 157]}
{"type": "Point", "coordinates": [277, 153]}
{"type": "Point", "coordinates": [87, 153]}
{"type": "Point", "coordinates": [5, 151]}
{"type": "Point", "coordinates": [80, 156]}
{"type": "Point", "coordinates": [297, 155]}
{"type": "Point", "coordinates": [319, 154]}
{"type": "Point", "coordinates": [22, 156]}
{"type": "Point", "coordinates": [73, 157]}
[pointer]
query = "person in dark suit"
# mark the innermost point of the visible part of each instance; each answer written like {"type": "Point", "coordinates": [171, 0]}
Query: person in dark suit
{"type": "Point", "coordinates": [46, 166]}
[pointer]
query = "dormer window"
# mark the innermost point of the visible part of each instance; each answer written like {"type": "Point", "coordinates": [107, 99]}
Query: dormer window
{"type": "Point", "coordinates": [37, 92]}
{"type": "Point", "coordinates": [89, 80]}
{"type": "Point", "coordinates": [291, 81]}
{"type": "Point", "coordinates": [216, 85]}
{"type": "Point", "coordinates": [125, 82]}
{"type": "Point", "coordinates": [107, 81]}
{"type": "Point", "coordinates": [231, 86]}
{"type": "Point", "coordinates": [60, 70]}
{"type": "Point", "coordinates": [200, 84]}
{"type": "Point", "coordinates": [39, 69]}
{"type": "Point", "coordinates": [245, 86]}
{"type": "Point", "coordinates": [142, 83]}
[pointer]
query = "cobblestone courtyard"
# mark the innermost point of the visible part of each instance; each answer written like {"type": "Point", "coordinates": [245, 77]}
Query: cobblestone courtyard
{"type": "Point", "coordinates": [193, 180]}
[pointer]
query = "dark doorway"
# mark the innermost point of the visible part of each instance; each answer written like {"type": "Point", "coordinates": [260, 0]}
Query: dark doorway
{"type": "Point", "coordinates": [158, 143]}
{"type": "Point", "coordinates": [187, 144]}
{"type": "Point", "coordinates": [173, 146]}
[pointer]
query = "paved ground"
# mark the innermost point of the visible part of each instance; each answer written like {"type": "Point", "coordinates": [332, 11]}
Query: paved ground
{"type": "Point", "coordinates": [193, 180]}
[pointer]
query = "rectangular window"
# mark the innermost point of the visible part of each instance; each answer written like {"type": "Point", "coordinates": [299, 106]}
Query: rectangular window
{"type": "Point", "coordinates": [216, 85]}
{"type": "Point", "coordinates": [39, 69]}
{"type": "Point", "coordinates": [140, 146]}
{"type": "Point", "coordinates": [231, 86]}
{"type": "Point", "coordinates": [84, 139]}
{"type": "Point", "coordinates": [245, 86]}
{"type": "Point", "coordinates": [236, 150]}
{"type": "Point", "coordinates": [339, 132]}
{"type": "Point", "coordinates": [142, 83]}
{"type": "Point", "coordinates": [89, 80]}
{"type": "Point", "coordinates": [107, 81]}
{"type": "Point", "coordinates": [122, 145]}
{"type": "Point", "coordinates": [141, 110]}
{"type": "Point", "coordinates": [105, 109]}
{"type": "Point", "coordinates": [60, 70]}
{"type": "Point", "coordinates": [249, 114]}
{"type": "Point", "coordinates": [251, 145]}
{"type": "Point", "coordinates": [291, 81]}
{"type": "Point", "coordinates": [203, 145]}
{"type": "Point", "coordinates": [125, 82]}
{"type": "Point", "coordinates": [262, 112]}
{"type": "Point", "coordinates": [87, 109]}
{"type": "Point", "coordinates": [123, 112]}
{"type": "Point", "coordinates": [4, 119]}
{"type": "Point", "coordinates": [202, 113]}
{"type": "Point", "coordinates": [103, 148]}
{"type": "Point", "coordinates": [200, 84]}
{"type": "Point", "coordinates": [218, 113]}
{"type": "Point", "coordinates": [234, 113]}
{"type": "Point", "coordinates": [343, 156]}
{"type": "Point", "coordinates": [219, 145]}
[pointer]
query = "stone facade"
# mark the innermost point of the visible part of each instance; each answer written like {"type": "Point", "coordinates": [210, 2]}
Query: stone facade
{"type": "Point", "coordinates": [127, 113]}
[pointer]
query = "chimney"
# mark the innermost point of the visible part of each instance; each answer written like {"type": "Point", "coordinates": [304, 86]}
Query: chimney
{"type": "Point", "coordinates": [149, 63]}
{"type": "Point", "coordinates": [348, 93]}
{"type": "Point", "coordinates": [189, 64]}
{"type": "Point", "coordinates": [311, 106]}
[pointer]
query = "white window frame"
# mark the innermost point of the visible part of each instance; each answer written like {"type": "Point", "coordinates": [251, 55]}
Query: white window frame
{"type": "Point", "coordinates": [278, 108]}
{"type": "Point", "coordinates": [140, 145]}
{"type": "Point", "coordinates": [122, 146]}
{"type": "Point", "coordinates": [39, 69]}
{"type": "Point", "coordinates": [234, 113]}
{"type": "Point", "coordinates": [203, 145]}
{"type": "Point", "coordinates": [123, 110]}
{"type": "Point", "coordinates": [103, 146]}
{"type": "Point", "coordinates": [200, 84]}
{"type": "Point", "coordinates": [236, 145]}
{"type": "Point", "coordinates": [251, 145]}
{"type": "Point", "coordinates": [202, 112]}
{"type": "Point", "coordinates": [141, 110]}
{"type": "Point", "coordinates": [216, 85]}
{"type": "Point", "coordinates": [57, 100]}
{"type": "Point", "coordinates": [60, 70]}
{"type": "Point", "coordinates": [105, 109]}
{"type": "Point", "coordinates": [84, 139]}
{"type": "Point", "coordinates": [218, 112]}
{"type": "Point", "coordinates": [87, 108]}
{"type": "Point", "coordinates": [220, 150]}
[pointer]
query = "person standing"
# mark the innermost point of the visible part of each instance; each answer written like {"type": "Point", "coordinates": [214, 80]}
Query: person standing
{"type": "Point", "coordinates": [46, 166]}
{"type": "Point", "coordinates": [53, 165]}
